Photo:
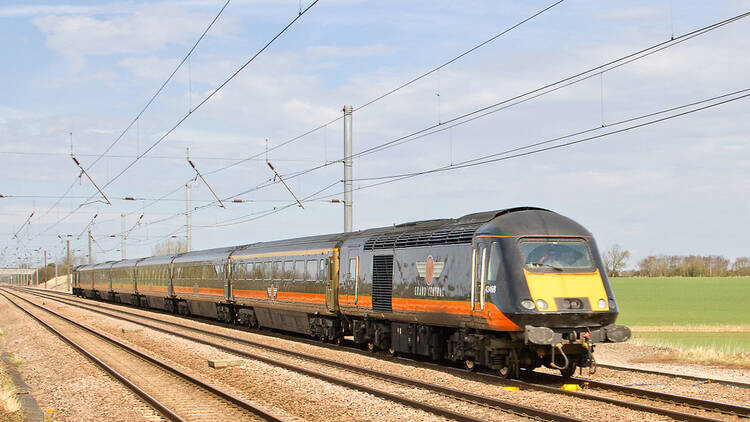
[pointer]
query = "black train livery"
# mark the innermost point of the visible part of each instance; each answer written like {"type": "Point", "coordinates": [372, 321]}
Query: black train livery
{"type": "Point", "coordinates": [504, 290]}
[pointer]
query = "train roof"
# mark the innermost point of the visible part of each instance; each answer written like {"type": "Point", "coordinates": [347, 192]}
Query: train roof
{"type": "Point", "coordinates": [518, 221]}
{"type": "Point", "coordinates": [326, 241]}
{"type": "Point", "coordinates": [430, 232]}
{"type": "Point", "coordinates": [156, 260]}
{"type": "Point", "coordinates": [531, 222]}
{"type": "Point", "coordinates": [204, 255]}
{"type": "Point", "coordinates": [125, 263]}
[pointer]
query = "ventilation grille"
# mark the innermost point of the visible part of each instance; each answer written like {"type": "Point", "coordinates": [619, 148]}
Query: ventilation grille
{"type": "Point", "coordinates": [463, 234]}
{"type": "Point", "coordinates": [382, 283]}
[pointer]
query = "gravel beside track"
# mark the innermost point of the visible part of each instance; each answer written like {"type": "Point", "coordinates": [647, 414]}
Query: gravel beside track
{"type": "Point", "coordinates": [632, 355]}
{"type": "Point", "coordinates": [467, 382]}
{"type": "Point", "coordinates": [288, 393]}
{"type": "Point", "coordinates": [177, 396]}
{"type": "Point", "coordinates": [60, 377]}
{"type": "Point", "coordinates": [686, 404]}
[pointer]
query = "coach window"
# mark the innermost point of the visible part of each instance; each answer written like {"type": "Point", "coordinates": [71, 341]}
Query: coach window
{"type": "Point", "coordinates": [323, 274]}
{"type": "Point", "coordinates": [266, 271]}
{"type": "Point", "coordinates": [258, 272]}
{"type": "Point", "coordinates": [277, 270]}
{"type": "Point", "coordinates": [249, 271]}
{"type": "Point", "coordinates": [299, 270]}
{"type": "Point", "coordinates": [311, 272]}
{"type": "Point", "coordinates": [288, 271]}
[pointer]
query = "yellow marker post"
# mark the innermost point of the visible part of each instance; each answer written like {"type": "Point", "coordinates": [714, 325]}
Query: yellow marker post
{"type": "Point", "coordinates": [511, 388]}
{"type": "Point", "coordinates": [571, 387]}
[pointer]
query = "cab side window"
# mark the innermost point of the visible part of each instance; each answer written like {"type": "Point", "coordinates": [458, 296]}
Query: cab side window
{"type": "Point", "coordinates": [352, 268]}
{"type": "Point", "coordinates": [495, 260]}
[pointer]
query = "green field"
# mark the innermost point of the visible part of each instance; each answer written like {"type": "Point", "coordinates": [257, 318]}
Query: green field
{"type": "Point", "coordinates": [682, 301]}
{"type": "Point", "coordinates": [708, 313]}
{"type": "Point", "coordinates": [728, 343]}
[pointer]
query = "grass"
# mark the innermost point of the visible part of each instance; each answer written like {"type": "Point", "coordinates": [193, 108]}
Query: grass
{"type": "Point", "coordinates": [701, 319]}
{"type": "Point", "coordinates": [682, 301]}
{"type": "Point", "coordinates": [10, 409]}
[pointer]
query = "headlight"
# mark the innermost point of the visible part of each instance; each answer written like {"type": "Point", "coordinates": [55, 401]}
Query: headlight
{"type": "Point", "coordinates": [602, 304]}
{"type": "Point", "coordinates": [528, 304]}
{"type": "Point", "coordinates": [541, 304]}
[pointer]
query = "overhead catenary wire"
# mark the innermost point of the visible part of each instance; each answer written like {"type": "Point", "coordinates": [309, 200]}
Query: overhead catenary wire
{"type": "Point", "coordinates": [726, 98]}
{"type": "Point", "coordinates": [190, 113]}
{"type": "Point", "coordinates": [162, 157]}
{"type": "Point", "coordinates": [384, 95]}
{"type": "Point", "coordinates": [392, 91]}
{"type": "Point", "coordinates": [488, 109]}
{"type": "Point", "coordinates": [518, 99]}
{"type": "Point", "coordinates": [491, 158]}
{"type": "Point", "coordinates": [211, 95]}
{"type": "Point", "coordinates": [369, 185]}
{"type": "Point", "coordinates": [163, 85]}
{"type": "Point", "coordinates": [143, 110]}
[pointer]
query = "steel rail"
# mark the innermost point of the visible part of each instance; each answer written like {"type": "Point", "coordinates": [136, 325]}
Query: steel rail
{"type": "Point", "coordinates": [150, 400]}
{"type": "Point", "coordinates": [263, 413]}
{"type": "Point", "coordinates": [698, 403]}
{"type": "Point", "coordinates": [669, 374]}
{"type": "Point", "coordinates": [703, 404]}
{"type": "Point", "coordinates": [453, 393]}
{"type": "Point", "coordinates": [657, 395]}
{"type": "Point", "coordinates": [649, 394]}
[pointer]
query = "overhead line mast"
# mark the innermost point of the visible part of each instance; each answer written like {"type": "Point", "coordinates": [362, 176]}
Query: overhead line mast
{"type": "Point", "coordinates": [348, 202]}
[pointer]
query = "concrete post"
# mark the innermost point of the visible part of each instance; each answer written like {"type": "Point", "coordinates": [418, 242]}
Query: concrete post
{"type": "Point", "coordinates": [188, 218]}
{"type": "Point", "coordinates": [348, 202]}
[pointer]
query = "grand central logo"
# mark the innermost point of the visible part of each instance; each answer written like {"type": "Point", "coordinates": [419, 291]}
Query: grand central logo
{"type": "Point", "coordinates": [430, 269]}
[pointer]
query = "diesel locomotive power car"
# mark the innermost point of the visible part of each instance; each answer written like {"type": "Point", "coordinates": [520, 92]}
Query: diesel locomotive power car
{"type": "Point", "coordinates": [504, 290]}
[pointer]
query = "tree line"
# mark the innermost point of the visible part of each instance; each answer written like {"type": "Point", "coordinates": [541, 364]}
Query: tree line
{"type": "Point", "coordinates": [616, 257]}
{"type": "Point", "coordinates": [692, 266]}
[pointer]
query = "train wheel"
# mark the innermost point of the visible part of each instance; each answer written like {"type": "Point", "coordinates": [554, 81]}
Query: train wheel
{"type": "Point", "coordinates": [505, 372]}
{"type": "Point", "coordinates": [510, 371]}
{"type": "Point", "coordinates": [470, 365]}
{"type": "Point", "coordinates": [392, 352]}
{"type": "Point", "coordinates": [569, 370]}
{"type": "Point", "coordinates": [371, 347]}
{"type": "Point", "coordinates": [338, 341]}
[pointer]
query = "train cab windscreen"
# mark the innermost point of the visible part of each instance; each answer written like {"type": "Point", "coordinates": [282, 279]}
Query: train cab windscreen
{"type": "Point", "coordinates": [566, 254]}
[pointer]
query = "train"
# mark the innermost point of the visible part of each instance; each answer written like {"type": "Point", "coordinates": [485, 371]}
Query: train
{"type": "Point", "coordinates": [505, 290]}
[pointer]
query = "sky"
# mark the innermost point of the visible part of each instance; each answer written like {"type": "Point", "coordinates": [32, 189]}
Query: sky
{"type": "Point", "coordinates": [76, 74]}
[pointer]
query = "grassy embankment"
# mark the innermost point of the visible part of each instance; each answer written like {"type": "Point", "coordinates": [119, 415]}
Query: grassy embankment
{"type": "Point", "coordinates": [10, 409]}
{"type": "Point", "coordinates": [706, 319]}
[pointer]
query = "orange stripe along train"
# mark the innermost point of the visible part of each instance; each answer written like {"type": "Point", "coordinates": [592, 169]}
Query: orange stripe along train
{"type": "Point", "coordinates": [503, 290]}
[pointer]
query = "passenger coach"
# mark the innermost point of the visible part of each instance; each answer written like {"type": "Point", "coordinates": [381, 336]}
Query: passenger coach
{"type": "Point", "coordinates": [508, 289]}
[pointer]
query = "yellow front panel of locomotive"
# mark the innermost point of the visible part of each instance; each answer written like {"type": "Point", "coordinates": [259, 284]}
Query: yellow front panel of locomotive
{"type": "Point", "coordinates": [548, 286]}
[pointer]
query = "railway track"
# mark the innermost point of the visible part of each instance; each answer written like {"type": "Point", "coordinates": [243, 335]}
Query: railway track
{"type": "Point", "coordinates": [702, 380]}
{"type": "Point", "coordinates": [683, 403]}
{"type": "Point", "coordinates": [473, 408]}
{"type": "Point", "coordinates": [174, 394]}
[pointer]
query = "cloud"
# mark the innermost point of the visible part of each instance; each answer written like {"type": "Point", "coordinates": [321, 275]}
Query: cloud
{"type": "Point", "coordinates": [633, 13]}
{"type": "Point", "coordinates": [330, 51]}
{"type": "Point", "coordinates": [142, 31]}
{"type": "Point", "coordinates": [19, 11]}
{"type": "Point", "coordinates": [149, 67]}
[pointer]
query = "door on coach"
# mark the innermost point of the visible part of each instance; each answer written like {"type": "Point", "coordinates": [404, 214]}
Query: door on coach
{"type": "Point", "coordinates": [332, 282]}
{"type": "Point", "coordinates": [479, 258]}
